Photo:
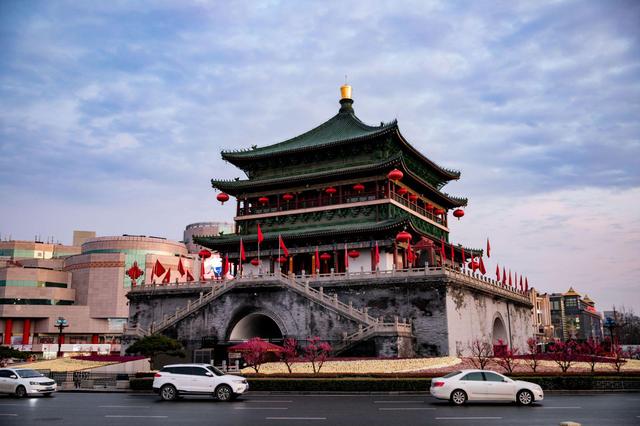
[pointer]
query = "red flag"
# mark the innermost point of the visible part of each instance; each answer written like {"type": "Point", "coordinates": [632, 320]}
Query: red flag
{"type": "Point", "coordinates": [526, 284]}
{"type": "Point", "coordinates": [317, 260]}
{"type": "Point", "coordinates": [453, 255]}
{"type": "Point", "coordinates": [283, 247]}
{"type": "Point", "coordinates": [201, 269]}
{"type": "Point", "coordinates": [443, 255]}
{"type": "Point", "coordinates": [483, 270]}
{"type": "Point", "coordinates": [167, 277]}
{"type": "Point", "coordinates": [157, 270]}
{"type": "Point", "coordinates": [260, 236]}
{"type": "Point", "coordinates": [474, 264]}
{"type": "Point", "coordinates": [488, 248]}
{"type": "Point", "coordinates": [464, 258]}
{"type": "Point", "coordinates": [225, 267]}
{"type": "Point", "coordinates": [510, 282]}
{"type": "Point", "coordinates": [520, 282]}
{"type": "Point", "coordinates": [180, 267]}
{"type": "Point", "coordinates": [504, 276]}
{"type": "Point", "coordinates": [498, 273]}
{"type": "Point", "coordinates": [377, 254]}
{"type": "Point", "coordinates": [189, 276]}
{"type": "Point", "coordinates": [346, 259]}
{"type": "Point", "coordinates": [243, 257]}
{"type": "Point", "coordinates": [409, 253]}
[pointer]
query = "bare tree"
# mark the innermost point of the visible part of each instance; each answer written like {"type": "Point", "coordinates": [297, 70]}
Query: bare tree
{"type": "Point", "coordinates": [533, 356]}
{"type": "Point", "coordinates": [481, 353]}
{"type": "Point", "coordinates": [506, 357]}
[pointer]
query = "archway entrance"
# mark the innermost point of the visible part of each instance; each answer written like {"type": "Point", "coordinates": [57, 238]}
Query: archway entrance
{"type": "Point", "coordinates": [499, 332]}
{"type": "Point", "coordinates": [255, 325]}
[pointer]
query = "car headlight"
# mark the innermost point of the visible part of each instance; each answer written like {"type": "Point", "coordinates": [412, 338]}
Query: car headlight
{"type": "Point", "coordinates": [34, 383]}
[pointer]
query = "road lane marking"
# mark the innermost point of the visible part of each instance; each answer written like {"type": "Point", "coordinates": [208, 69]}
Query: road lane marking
{"type": "Point", "coordinates": [405, 408]}
{"type": "Point", "coordinates": [295, 418]}
{"type": "Point", "coordinates": [468, 418]}
{"type": "Point", "coordinates": [123, 406]}
{"type": "Point", "coordinates": [115, 416]}
{"type": "Point", "coordinates": [561, 408]}
{"type": "Point", "coordinates": [8, 404]}
{"type": "Point", "coordinates": [398, 402]}
{"type": "Point", "coordinates": [260, 408]}
{"type": "Point", "coordinates": [266, 401]}
{"type": "Point", "coordinates": [9, 414]}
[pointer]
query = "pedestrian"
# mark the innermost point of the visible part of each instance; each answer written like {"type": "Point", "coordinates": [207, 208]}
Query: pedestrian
{"type": "Point", "coordinates": [76, 379]}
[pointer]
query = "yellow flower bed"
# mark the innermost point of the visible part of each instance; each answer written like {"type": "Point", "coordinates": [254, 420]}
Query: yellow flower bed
{"type": "Point", "coordinates": [361, 366]}
{"type": "Point", "coordinates": [63, 364]}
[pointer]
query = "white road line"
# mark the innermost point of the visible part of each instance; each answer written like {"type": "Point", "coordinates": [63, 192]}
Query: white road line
{"type": "Point", "coordinates": [260, 408]}
{"type": "Point", "coordinates": [561, 408]}
{"type": "Point", "coordinates": [295, 418]}
{"type": "Point", "coordinates": [398, 402]}
{"type": "Point", "coordinates": [468, 418]}
{"type": "Point", "coordinates": [9, 415]}
{"type": "Point", "coordinates": [405, 408]}
{"type": "Point", "coordinates": [136, 417]}
{"type": "Point", "coordinates": [123, 406]}
{"type": "Point", "coordinates": [266, 401]}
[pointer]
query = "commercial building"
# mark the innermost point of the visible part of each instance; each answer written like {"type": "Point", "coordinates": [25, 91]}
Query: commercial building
{"type": "Point", "coordinates": [541, 316]}
{"type": "Point", "coordinates": [575, 317]}
{"type": "Point", "coordinates": [201, 229]}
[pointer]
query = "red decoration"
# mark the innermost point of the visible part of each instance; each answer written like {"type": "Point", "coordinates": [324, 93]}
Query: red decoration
{"type": "Point", "coordinates": [331, 190]}
{"type": "Point", "coordinates": [325, 256]}
{"type": "Point", "coordinates": [134, 272]}
{"type": "Point", "coordinates": [413, 197]}
{"type": "Point", "coordinates": [354, 254]}
{"type": "Point", "coordinates": [403, 237]}
{"type": "Point", "coordinates": [281, 259]}
{"type": "Point", "coordinates": [473, 265]}
{"type": "Point", "coordinates": [204, 253]}
{"type": "Point", "coordinates": [287, 197]}
{"type": "Point", "coordinates": [358, 187]}
{"type": "Point", "coordinates": [402, 191]}
{"type": "Point", "coordinates": [263, 200]}
{"type": "Point", "coordinates": [395, 174]}
{"type": "Point", "coordinates": [458, 213]}
{"type": "Point", "coordinates": [439, 212]}
{"type": "Point", "coordinates": [255, 261]}
{"type": "Point", "coordinates": [429, 207]}
{"type": "Point", "coordinates": [222, 197]}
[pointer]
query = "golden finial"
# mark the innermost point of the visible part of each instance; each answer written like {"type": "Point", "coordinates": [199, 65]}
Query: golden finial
{"type": "Point", "coordinates": [345, 89]}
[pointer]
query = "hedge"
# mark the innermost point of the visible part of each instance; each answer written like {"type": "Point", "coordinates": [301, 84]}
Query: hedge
{"type": "Point", "coordinates": [366, 384]}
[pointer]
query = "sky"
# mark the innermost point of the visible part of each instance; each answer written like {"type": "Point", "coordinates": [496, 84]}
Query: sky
{"type": "Point", "coordinates": [113, 115]}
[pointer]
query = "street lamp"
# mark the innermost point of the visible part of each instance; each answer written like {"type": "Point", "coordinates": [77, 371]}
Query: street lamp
{"type": "Point", "coordinates": [61, 324]}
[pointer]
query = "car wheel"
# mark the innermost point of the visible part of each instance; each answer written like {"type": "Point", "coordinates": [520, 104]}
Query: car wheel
{"type": "Point", "coordinates": [458, 397]}
{"type": "Point", "coordinates": [524, 397]}
{"type": "Point", "coordinates": [21, 391]}
{"type": "Point", "coordinates": [168, 392]}
{"type": "Point", "coordinates": [224, 393]}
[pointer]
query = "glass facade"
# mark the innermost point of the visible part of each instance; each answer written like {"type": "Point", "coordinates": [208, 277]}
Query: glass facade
{"type": "Point", "coordinates": [31, 283]}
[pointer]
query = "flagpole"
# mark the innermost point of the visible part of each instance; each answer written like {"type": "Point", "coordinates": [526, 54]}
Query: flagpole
{"type": "Point", "coordinates": [278, 260]}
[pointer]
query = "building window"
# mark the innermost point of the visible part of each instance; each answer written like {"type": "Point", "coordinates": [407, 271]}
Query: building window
{"type": "Point", "coordinates": [570, 302]}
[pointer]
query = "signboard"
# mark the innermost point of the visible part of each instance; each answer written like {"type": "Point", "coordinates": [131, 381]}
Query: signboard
{"type": "Point", "coordinates": [213, 267]}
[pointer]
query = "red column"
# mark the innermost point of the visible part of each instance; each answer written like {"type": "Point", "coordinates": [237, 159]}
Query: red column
{"type": "Point", "coordinates": [26, 331]}
{"type": "Point", "coordinates": [95, 339]}
{"type": "Point", "coordinates": [8, 326]}
{"type": "Point", "coordinates": [61, 339]}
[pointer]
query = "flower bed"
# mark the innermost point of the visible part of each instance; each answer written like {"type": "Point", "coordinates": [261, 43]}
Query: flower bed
{"type": "Point", "coordinates": [64, 364]}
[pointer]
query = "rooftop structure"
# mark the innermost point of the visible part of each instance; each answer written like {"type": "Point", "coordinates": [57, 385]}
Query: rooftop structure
{"type": "Point", "coordinates": [575, 317]}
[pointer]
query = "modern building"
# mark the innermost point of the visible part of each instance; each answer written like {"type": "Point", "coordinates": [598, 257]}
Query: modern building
{"type": "Point", "coordinates": [87, 288]}
{"type": "Point", "coordinates": [35, 250]}
{"type": "Point", "coordinates": [201, 229]}
{"type": "Point", "coordinates": [330, 228]}
{"type": "Point", "coordinates": [575, 317]}
{"type": "Point", "coordinates": [541, 313]}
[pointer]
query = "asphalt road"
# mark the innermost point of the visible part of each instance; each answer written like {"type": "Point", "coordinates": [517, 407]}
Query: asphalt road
{"type": "Point", "coordinates": [95, 409]}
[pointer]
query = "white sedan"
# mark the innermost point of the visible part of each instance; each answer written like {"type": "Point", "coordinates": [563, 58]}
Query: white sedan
{"type": "Point", "coordinates": [22, 382]}
{"type": "Point", "coordinates": [482, 385]}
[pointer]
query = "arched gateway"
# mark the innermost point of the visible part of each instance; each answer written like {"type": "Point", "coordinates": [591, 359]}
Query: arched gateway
{"type": "Point", "coordinates": [255, 325]}
{"type": "Point", "coordinates": [499, 331]}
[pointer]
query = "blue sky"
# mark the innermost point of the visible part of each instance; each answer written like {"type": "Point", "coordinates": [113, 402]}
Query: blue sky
{"type": "Point", "coordinates": [113, 115]}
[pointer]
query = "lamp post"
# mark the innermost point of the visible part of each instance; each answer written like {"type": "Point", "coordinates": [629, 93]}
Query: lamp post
{"type": "Point", "coordinates": [61, 324]}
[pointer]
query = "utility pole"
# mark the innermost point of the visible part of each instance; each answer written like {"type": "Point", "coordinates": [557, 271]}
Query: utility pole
{"type": "Point", "coordinates": [61, 324]}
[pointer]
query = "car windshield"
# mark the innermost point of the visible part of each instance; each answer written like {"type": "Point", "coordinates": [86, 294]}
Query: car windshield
{"type": "Point", "coordinates": [453, 373]}
{"type": "Point", "coordinates": [215, 370]}
{"type": "Point", "coordinates": [25, 374]}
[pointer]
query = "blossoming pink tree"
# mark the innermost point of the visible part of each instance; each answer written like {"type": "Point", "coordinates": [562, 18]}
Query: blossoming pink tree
{"type": "Point", "coordinates": [317, 352]}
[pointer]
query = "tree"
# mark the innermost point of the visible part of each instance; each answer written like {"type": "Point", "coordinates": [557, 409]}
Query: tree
{"type": "Point", "coordinates": [533, 356]}
{"type": "Point", "coordinates": [289, 352]}
{"type": "Point", "coordinates": [7, 352]}
{"type": "Point", "coordinates": [564, 353]}
{"type": "Point", "coordinates": [592, 351]}
{"type": "Point", "coordinates": [506, 357]}
{"type": "Point", "coordinates": [256, 353]}
{"type": "Point", "coordinates": [481, 353]}
{"type": "Point", "coordinates": [619, 357]}
{"type": "Point", "coordinates": [316, 352]}
{"type": "Point", "coordinates": [155, 345]}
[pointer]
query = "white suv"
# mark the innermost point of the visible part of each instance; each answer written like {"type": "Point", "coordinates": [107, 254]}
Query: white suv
{"type": "Point", "coordinates": [22, 382]}
{"type": "Point", "coordinates": [204, 379]}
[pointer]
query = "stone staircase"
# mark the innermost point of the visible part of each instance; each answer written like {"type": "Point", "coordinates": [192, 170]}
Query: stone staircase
{"type": "Point", "coordinates": [368, 325]}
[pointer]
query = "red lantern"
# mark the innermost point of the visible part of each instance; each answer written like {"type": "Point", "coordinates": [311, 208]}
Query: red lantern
{"type": "Point", "coordinates": [402, 191]}
{"type": "Point", "coordinates": [413, 197]}
{"type": "Point", "coordinates": [222, 197]}
{"type": "Point", "coordinates": [429, 207]}
{"type": "Point", "coordinates": [325, 256]}
{"type": "Point", "coordinates": [331, 190]}
{"type": "Point", "coordinates": [255, 261]}
{"type": "Point", "coordinates": [204, 253]}
{"type": "Point", "coordinates": [287, 197]}
{"type": "Point", "coordinates": [358, 187]}
{"type": "Point", "coordinates": [395, 174]}
{"type": "Point", "coordinates": [281, 259]}
{"type": "Point", "coordinates": [403, 237]}
{"type": "Point", "coordinates": [263, 200]}
{"type": "Point", "coordinates": [458, 213]}
{"type": "Point", "coordinates": [354, 254]}
{"type": "Point", "coordinates": [439, 212]}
